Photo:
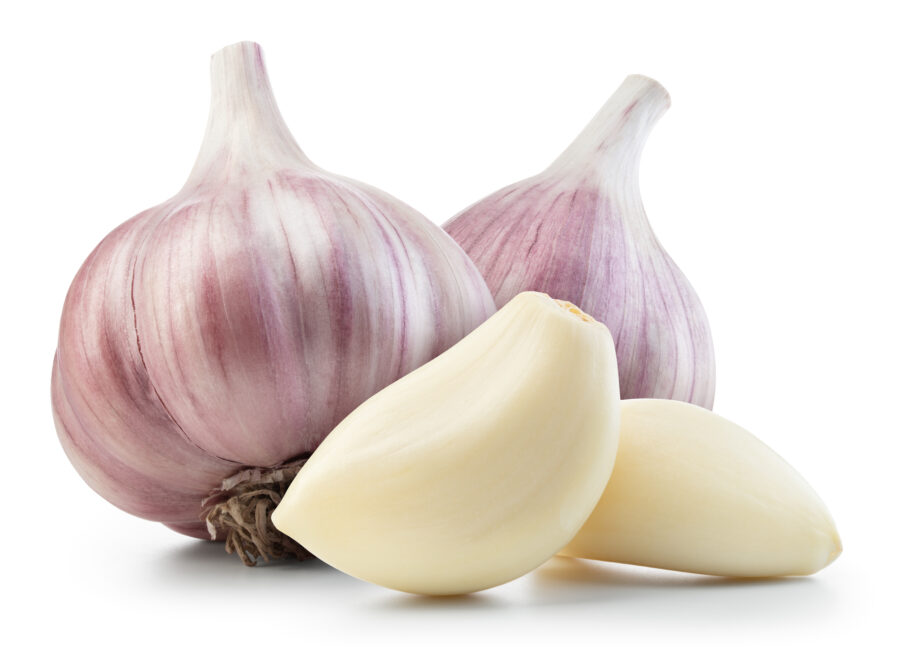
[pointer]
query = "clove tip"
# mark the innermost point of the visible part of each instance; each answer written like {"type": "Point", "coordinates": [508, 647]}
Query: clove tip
{"type": "Point", "coordinates": [836, 549]}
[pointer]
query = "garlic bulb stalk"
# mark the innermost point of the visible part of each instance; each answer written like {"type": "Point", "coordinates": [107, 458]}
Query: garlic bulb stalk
{"type": "Point", "coordinates": [217, 338]}
{"type": "Point", "coordinates": [473, 469]}
{"type": "Point", "coordinates": [694, 492]}
{"type": "Point", "coordinates": [578, 231]}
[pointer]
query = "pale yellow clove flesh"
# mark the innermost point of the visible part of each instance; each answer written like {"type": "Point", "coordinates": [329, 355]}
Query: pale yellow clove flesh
{"type": "Point", "coordinates": [473, 469]}
{"type": "Point", "coordinates": [692, 491]}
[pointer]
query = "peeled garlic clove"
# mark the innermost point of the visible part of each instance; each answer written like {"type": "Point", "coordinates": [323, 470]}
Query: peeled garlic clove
{"type": "Point", "coordinates": [578, 231]}
{"type": "Point", "coordinates": [694, 492]}
{"type": "Point", "coordinates": [473, 469]}
{"type": "Point", "coordinates": [230, 328]}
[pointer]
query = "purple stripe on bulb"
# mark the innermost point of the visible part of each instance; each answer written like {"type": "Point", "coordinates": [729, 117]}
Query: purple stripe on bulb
{"type": "Point", "coordinates": [112, 424]}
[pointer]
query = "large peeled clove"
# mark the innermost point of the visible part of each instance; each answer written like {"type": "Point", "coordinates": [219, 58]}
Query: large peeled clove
{"type": "Point", "coordinates": [473, 469]}
{"type": "Point", "coordinates": [694, 492]}
{"type": "Point", "coordinates": [578, 231]}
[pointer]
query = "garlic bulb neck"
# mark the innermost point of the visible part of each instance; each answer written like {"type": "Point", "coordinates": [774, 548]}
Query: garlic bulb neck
{"type": "Point", "coordinates": [610, 145]}
{"type": "Point", "coordinates": [245, 128]}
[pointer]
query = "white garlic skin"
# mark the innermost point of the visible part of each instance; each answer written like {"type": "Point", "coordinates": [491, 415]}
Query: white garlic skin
{"type": "Point", "coordinates": [473, 469]}
{"type": "Point", "coordinates": [578, 231]}
{"type": "Point", "coordinates": [694, 492]}
{"type": "Point", "coordinates": [237, 323]}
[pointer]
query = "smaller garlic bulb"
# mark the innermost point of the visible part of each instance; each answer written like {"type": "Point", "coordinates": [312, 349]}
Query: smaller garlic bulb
{"type": "Point", "coordinates": [578, 231]}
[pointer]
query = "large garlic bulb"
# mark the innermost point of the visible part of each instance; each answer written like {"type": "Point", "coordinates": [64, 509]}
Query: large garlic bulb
{"type": "Point", "coordinates": [237, 323]}
{"type": "Point", "coordinates": [578, 231]}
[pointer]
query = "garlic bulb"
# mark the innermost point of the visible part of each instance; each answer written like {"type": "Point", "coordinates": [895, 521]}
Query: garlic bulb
{"type": "Point", "coordinates": [473, 469]}
{"type": "Point", "coordinates": [578, 231]}
{"type": "Point", "coordinates": [694, 492]}
{"type": "Point", "coordinates": [224, 333]}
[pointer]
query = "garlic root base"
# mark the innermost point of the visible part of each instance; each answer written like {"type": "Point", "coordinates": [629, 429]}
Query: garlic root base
{"type": "Point", "coordinates": [240, 512]}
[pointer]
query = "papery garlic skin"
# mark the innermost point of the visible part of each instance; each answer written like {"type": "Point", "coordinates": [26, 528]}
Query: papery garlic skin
{"type": "Point", "coordinates": [578, 231]}
{"type": "Point", "coordinates": [237, 323]}
{"type": "Point", "coordinates": [473, 469]}
{"type": "Point", "coordinates": [694, 492]}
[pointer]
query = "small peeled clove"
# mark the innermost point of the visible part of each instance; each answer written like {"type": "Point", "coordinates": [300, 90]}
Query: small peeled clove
{"type": "Point", "coordinates": [473, 469]}
{"type": "Point", "coordinates": [694, 492]}
{"type": "Point", "coordinates": [578, 231]}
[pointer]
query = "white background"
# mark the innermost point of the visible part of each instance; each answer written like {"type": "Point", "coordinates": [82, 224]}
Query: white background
{"type": "Point", "coordinates": [772, 181]}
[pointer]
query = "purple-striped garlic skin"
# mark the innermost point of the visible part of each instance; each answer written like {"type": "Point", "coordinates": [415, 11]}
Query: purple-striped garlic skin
{"type": "Point", "coordinates": [236, 324]}
{"type": "Point", "coordinates": [578, 232]}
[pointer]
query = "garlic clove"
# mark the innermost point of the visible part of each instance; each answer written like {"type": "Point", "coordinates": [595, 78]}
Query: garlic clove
{"type": "Point", "coordinates": [694, 492]}
{"type": "Point", "coordinates": [578, 231]}
{"type": "Point", "coordinates": [473, 469]}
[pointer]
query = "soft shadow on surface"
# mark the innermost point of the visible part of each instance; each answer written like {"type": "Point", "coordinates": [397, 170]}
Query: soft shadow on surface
{"type": "Point", "coordinates": [208, 555]}
{"type": "Point", "coordinates": [204, 565]}
{"type": "Point", "coordinates": [562, 571]}
{"type": "Point", "coordinates": [597, 589]}
{"type": "Point", "coordinates": [608, 590]}
{"type": "Point", "coordinates": [405, 602]}
{"type": "Point", "coordinates": [671, 595]}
